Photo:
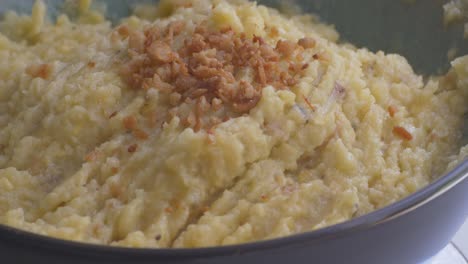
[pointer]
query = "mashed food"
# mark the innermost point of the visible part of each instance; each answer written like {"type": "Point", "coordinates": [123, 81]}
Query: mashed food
{"type": "Point", "coordinates": [457, 11]}
{"type": "Point", "coordinates": [211, 122]}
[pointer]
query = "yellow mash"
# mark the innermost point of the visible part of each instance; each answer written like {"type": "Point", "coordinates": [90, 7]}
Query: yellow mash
{"type": "Point", "coordinates": [457, 11]}
{"type": "Point", "coordinates": [110, 142]}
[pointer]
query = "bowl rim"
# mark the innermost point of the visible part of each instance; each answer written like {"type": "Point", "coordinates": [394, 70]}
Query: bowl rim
{"type": "Point", "coordinates": [388, 213]}
{"type": "Point", "coordinates": [372, 219]}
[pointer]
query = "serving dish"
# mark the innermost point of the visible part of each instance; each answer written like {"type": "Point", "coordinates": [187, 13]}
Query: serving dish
{"type": "Point", "coordinates": [409, 231]}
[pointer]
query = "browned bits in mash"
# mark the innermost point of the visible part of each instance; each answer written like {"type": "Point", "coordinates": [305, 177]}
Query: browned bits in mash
{"type": "Point", "coordinates": [123, 30]}
{"type": "Point", "coordinates": [140, 134]}
{"type": "Point", "coordinates": [211, 134]}
{"type": "Point", "coordinates": [115, 189]}
{"type": "Point", "coordinates": [112, 115]}
{"type": "Point", "coordinates": [91, 64]}
{"type": "Point", "coordinates": [160, 51]}
{"type": "Point", "coordinates": [309, 104]}
{"type": "Point", "coordinates": [92, 156]}
{"type": "Point", "coordinates": [274, 32]}
{"type": "Point", "coordinates": [130, 123]}
{"type": "Point", "coordinates": [392, 110]}
{"type": "Point", "coordinates": [307, 43]}
{"type": "Point", "coordinates": [212, 73]}
{"type": "Point", "coordinates": [132, 148]}
{"type": "Point", "coordinates": [402, 133]}
{"type": "Point", "coordinates": [286, 47]}
{"type": "Point", "coordinates": [42, 71]}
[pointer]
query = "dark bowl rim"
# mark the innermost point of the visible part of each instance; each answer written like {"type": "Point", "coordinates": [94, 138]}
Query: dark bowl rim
{"type": "Point", "coordinates": [395, 210]}
{"type": "Point", "coordinates": [367, 221]}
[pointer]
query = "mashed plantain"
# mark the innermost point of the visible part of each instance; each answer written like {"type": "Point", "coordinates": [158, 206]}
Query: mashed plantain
{"type": "Point", "coordinates": [457, 11]}
{"type": "Point", "coordinates": [212, 122]}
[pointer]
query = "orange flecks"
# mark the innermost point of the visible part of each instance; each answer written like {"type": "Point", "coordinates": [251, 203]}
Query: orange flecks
{"type": "Point", "coordinates": [130, 123]}
{"type": "Point", "coordinates": [92, 156]}
{"type": "Point", "coordinates": [112, 115]}
{"type": "Point", "coordinates": [402, 133]}
{"type": "Point", "coordinates": [309, 104]}
{"type": "Point", "coordinates": [42, 71]}
{"type": "Point", "coordinates": [132, 148]}
{"type": "Point", "coordinates": [274, 32]}
{"type": "Point", "coordinates": [392, 110]}
{"type": "Point", "coordinates": [140, 134]}
{"type": "Point", "coordinates": [211, 135]}
{"type": "Point", "coordinates": [307, 43]}
{"type": "Point", "coordinates": [123, 30]}
{"type": "Point", "coordinates": [115, 189]}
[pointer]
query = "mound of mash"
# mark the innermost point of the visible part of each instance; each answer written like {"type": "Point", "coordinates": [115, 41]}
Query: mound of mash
{"type": "Point", "coordinates": [211, 122]}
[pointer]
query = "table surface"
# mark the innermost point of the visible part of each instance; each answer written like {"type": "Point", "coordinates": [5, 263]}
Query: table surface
{"type": "Point", "coordinates": [461, 240]}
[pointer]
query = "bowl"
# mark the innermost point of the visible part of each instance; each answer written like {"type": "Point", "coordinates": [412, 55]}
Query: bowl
{"type": "Point", "coordinates": [409, 231]}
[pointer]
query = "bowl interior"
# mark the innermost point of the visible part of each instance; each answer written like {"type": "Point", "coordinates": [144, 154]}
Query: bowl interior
{"type": "Point", "coordinates": [414, 30]}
